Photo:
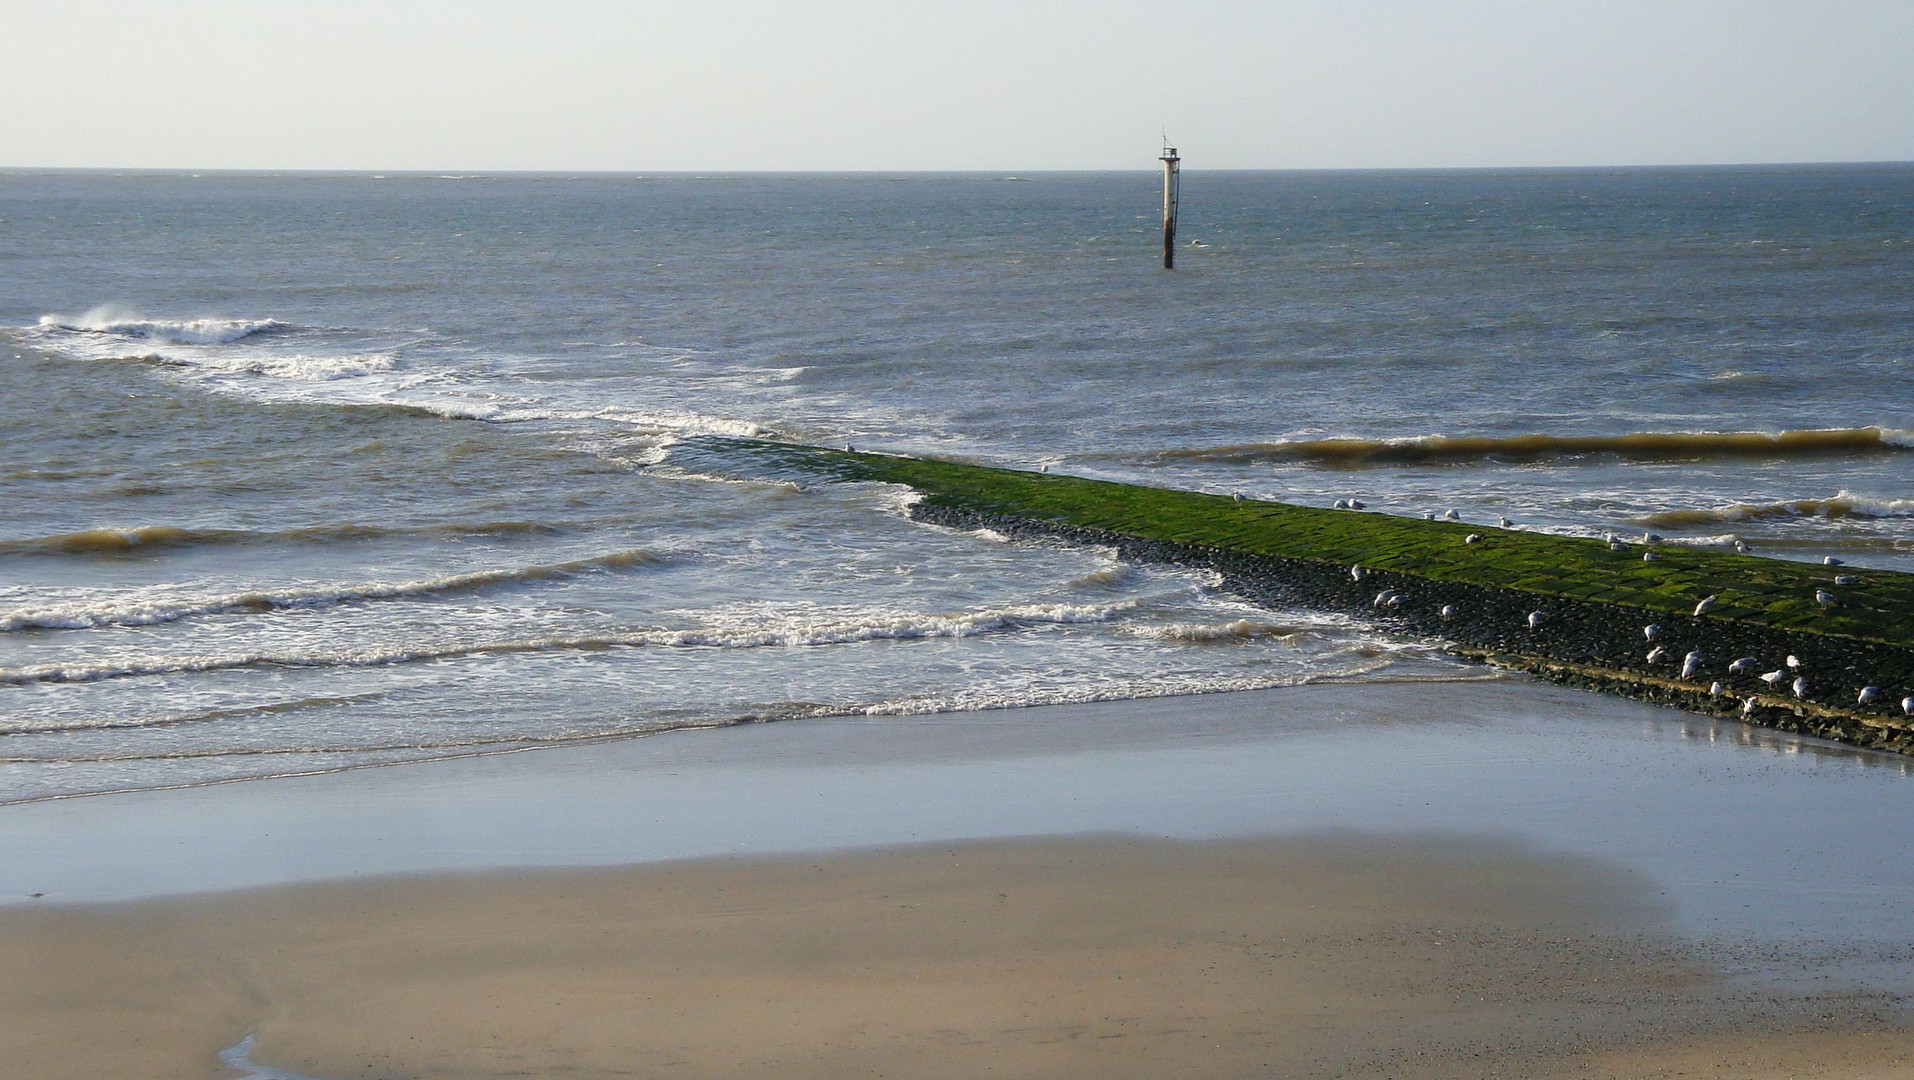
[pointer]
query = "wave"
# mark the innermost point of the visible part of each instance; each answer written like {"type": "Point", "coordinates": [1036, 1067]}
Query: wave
{"type": "Point", "coordinates": [1233, 630]}
{"type": "Point", "coordinates": [1844, 504]}
{"type": "Point", "coordinates": [786, 635]}
{"type": "Point", "coordinates": [1650, 445]}
{"type": "Point", "coordinates": [119, 323]}
{"type": "Point", "coordinates": [146, 538]}
{"type": "Point", "coordinates": [298, 367]}
{"type": "Point", "coordinates": [87, 616]}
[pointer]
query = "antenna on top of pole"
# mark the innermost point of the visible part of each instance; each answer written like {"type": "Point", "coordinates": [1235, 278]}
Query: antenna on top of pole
{"type": "Point", "coordinates": [1171, 174]}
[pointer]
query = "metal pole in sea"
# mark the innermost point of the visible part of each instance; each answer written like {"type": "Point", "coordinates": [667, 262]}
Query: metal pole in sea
{"type": "Point", "coordinates": [1171, 175]}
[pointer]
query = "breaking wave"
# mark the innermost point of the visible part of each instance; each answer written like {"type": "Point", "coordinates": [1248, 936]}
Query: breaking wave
{"type": "Point", "coordinates": [1233, 630]}
{"type": "Point", "coordinates": [1649, 445]}
{"type": "Point", "coordinates": [151, 612]}
{"type": "Point", "coordinates": [204, 331]}
{"type": "Point", "coordinates": [786, 634]}
{"type": "Point", "coordinates": [154, 538]}
{"type": "Point", "coordinates": [1844, 504]}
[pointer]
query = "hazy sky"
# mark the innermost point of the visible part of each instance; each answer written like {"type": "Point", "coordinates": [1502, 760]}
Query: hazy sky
{"type": "Point", "coordinates": [1040, 84]}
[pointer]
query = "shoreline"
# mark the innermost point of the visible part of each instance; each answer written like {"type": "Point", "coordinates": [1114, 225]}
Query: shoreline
{"type": "Point", "coordinates": [1406, 879]}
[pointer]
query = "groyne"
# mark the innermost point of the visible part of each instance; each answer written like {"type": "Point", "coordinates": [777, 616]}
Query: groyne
{"type": "Point", "coordinates": [1569, 609]}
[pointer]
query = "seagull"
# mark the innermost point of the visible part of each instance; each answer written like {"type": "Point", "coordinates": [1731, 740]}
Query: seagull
{"type": "Point", "coordinates": [1383, 597]}
{"type": "Point", "coordinates": [1649, 556]}
{"type": "Point", "coordinates": [1829, 560]}
{"type": "Point", "coordinates": [1428, 515]}
{"type": "Point", "coordinates": [1772, 677]}
{"type": "Point", "coordinates": [1342, 504]}
{"type": "Point", "coordinates": [1235, 496]}
{"type": "Point", "coordinates": [1357, 504]}
{"type": "Point", "coordinates": [1396, 600]}
{"type": "Point", "coordinates": [1748, 707]}
{"type": "Point", "coordinates": [1448, 611]}
{"type": "Point", "coordinates": [1869, 695]}
{"type": "Point", "coordinates": [1451, 515]}
{"type": "Point", "coordinates": [1793, 661]}
{"type": "Point", "coordinates": [1707, 604]}
{"type": "Point", "coordinates": [1824, 598]}
{"type": "Point", "coordinates": [1355, 573]}
{"type": "Point", "coordinates": [1655, 654]}
{"type": "Point", "coordinates": [1651, 631]}
{"type": "Point", "coordinates": [1742, 547]}
{"type": "Point", "coordinates": [1046, 468]}
{"type": "Point", "coordinates": [1610, 537]}
{"type": "Point", "coordinates": [1800, 686]}
{"type": "Point", "coordinates": [1746, 663]}
{"type": "Point", "coordinates": [1651, 538]}
{"type": "Point", "coordinates": [1535, 619]}
{"type": "Point", "coordinates": [1846, 579]}
{"type": "Point", "coordinates": [1617, 545]}
{"type": "Point", "coordinates": [1505, 523]}
{"type": "Point", "coordinates": [1690, 664]}
{"type": "Point", "coordinates": [1714, 688]}
{"type": "Point", "coordinates": [1472, 538]}
{"type": "Point", "coordinates": [1907, 705]}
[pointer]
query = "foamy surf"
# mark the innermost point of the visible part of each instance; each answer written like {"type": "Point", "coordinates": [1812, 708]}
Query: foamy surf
{"type": "Point", "coordinates": [88, 615]}
{"type": "Point", "coordinates": [1650, 445]}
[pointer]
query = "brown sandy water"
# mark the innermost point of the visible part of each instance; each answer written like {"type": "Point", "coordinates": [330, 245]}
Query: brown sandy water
{"type": "Point", "coordinates": [1105, 956]}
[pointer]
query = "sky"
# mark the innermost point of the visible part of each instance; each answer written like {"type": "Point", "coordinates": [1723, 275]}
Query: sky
{"type": "Point", "coordinates": [752, 85]}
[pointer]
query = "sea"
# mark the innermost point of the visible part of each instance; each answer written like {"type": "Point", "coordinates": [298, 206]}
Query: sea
{"type": "Point", "coordinates": [307, 472]}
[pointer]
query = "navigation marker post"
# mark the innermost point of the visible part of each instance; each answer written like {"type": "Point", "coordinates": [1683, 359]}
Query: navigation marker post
{"type": "Point", "coordinates": [1171, 174]}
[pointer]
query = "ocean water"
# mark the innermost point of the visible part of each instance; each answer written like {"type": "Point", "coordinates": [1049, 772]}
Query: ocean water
{"type": "Point", "coordinates": [303, 472]}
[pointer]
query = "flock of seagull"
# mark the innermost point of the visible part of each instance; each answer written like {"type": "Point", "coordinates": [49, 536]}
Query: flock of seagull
{"type": "Point", "coordinates": [1691, 664]}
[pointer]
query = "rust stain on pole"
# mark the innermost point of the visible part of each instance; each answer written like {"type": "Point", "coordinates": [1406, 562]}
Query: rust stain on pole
{"type": "Point", "coordinates": [1171, 175]}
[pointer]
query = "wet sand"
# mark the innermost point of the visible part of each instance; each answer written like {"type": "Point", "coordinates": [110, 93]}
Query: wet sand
{"type": "Point", "coordinates": [1087, 956]}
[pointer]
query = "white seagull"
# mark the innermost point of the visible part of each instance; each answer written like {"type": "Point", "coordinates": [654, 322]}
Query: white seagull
{"type": "Point", "coordinates": [1535, 619]}
{"type": "Point", "coordinates": [1793, 661]}
{"type": "Point", "coordinates": [1714, 688]}
{"type": "Point", "coordinates": [1448, 611]}
{"type": "Point", "coordinates": [1649, 556]}
{"type": "Point", "coordinates": [1746, 663]}
{"type": "Point", "coordinates": [1800, 686]}
{"type": "Point", "coordinates": [1773, 677]}
{"type": "Point", "coordinates": [1707, 604]}
{"type": "Point", "coordinates": [1505, 523]}
{"type": "Point", "coordinates": [1829, 560]}
{"type": "Point", "coordinates": [1355, 573]}
{"type": "Point", "coordinates": [1651, 630]}
{"type": "Point", "coordinates": [1651, 538]}
{"type": "Point", "coordinates": [1869, 695]}
{"type": "Point", "coordinates": [1907, 705]}
{"type": "Point", "coordinates": [1846, 579]}
{"type": "Point", "coordinates": [1823, 597]}
{"type": "Point", "coordinates": [1617, 545]}
{"type": "Point", "coordinates": [1341, 504]}
{"type": "Point", "coordinates": [1690, 664]}
{"type": "Point", "coordinates": [1472, 538]}
{"type": "Point", "coordinates": [1357, 504]}
{"type": "Point", "coordinates": [1748, 707]}
{"type": "Point", "coordinates": [1655, 654]}
{"type": "Point", "coordinates": [1451, 515]}
{"type": "Point", "coordinates": [1742, 547]}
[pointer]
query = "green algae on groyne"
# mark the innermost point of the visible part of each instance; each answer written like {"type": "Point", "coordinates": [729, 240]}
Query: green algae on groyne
{"type": "Point", "coordinates": [1569, 609]}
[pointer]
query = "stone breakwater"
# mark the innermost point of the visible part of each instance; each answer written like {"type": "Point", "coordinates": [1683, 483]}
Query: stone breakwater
{"type": "Point", "coordinates": [1582, 643]}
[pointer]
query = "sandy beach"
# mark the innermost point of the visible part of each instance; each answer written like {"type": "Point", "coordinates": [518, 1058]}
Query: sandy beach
{"type": "Point", "coordinates": [1104, 956]}
{"type": "Point", "coordinates": [1412, 879]}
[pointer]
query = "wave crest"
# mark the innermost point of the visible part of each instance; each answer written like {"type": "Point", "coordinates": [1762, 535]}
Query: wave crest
{"type": "Point", "coordinates": [1844, 504]}
{"type": "Point", "coordinates": [1649, 445]}
{"type": "Point", "coordinates": [891, 627]}
{"type": "Point", "coordinates": [152, 538]}
{"type": "Point", "coordinates": [120, 323]}
{"type": "Point", "coordinates": [88, 616]}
